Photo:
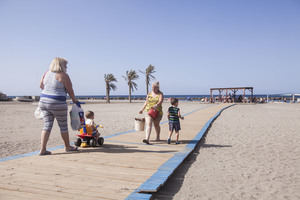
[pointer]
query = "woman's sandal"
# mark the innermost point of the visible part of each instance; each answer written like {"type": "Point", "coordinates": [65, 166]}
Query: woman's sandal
{"type": "Point", "coordinates": [70, 149]}
{"type": "Point", "coordinates": [45, 153]}
{"type": "Point", "coordinates": [146, 141]}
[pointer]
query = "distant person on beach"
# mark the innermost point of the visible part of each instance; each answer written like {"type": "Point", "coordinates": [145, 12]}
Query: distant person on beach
{"type": "Point", "coordinates": [153, 104]}
{"type": "Point", "coordinates": [55, 85]}
{"type": "Point", "coordinates": [240, 99]}
{"type": "Point", "coordinates": [90, 121]}
{"type": "Point", "coordinates": [174, 123]}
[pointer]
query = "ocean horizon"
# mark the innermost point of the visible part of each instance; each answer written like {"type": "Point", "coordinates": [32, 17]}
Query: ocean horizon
{"type": "Point", "coordinates": [180, 96]}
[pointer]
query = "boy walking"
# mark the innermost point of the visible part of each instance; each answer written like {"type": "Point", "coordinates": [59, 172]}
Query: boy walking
{"type": "Point", "coordinates": [174, 123]}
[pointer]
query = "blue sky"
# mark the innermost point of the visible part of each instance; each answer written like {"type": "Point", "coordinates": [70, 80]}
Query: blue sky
{"type": "Point", "coordinates": [194, 44]}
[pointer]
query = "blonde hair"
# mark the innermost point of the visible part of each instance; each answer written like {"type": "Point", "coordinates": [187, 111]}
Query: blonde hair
{"type": "Point", "coordinates": [58, 65]}
{"type": "Point", "coordinates": [156, 84]}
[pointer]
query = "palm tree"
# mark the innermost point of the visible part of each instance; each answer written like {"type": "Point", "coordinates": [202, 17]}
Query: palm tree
{"type": "Point", "coordinates": [130, 77]}
{"type": "Point", "coordinates": [148, 73]}
{"type": "Point", "coordinates": [109, 79]}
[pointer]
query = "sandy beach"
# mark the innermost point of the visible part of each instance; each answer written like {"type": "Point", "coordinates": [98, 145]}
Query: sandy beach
{"type": "Point", "coordinates": [250, 152]}
{"type": "Point", "coordinates": [20, 132]}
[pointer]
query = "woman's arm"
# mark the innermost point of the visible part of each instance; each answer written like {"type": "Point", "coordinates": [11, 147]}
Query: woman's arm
{"type": "Point", "coordinates": [65, 79]}
{"type": "Point", "coordinates": [42, 81]}
{"type": "Point", "coordinates": [160, 101]}
{"type": "Point", "coordinates": [144, 106]}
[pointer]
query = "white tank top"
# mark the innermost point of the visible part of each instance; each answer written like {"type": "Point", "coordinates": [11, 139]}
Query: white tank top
{"type": "Point", "coordinates": [52, 86]}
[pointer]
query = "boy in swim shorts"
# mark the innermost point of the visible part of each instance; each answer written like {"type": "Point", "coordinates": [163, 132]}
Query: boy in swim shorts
{"type": "Point", "coordinates": [174, 123]}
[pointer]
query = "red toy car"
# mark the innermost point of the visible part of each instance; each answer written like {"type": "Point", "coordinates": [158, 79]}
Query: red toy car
{"type": "Point", "coordinates": [89, 138]}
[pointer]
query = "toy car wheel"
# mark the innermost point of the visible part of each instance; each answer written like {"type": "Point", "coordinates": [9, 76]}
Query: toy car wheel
{"type": "Point", "coordinates": [88, 141]}
{"type": "Point", "coordinates": [93, 142]}
{"type": "Point", "coordinates": [100, 141]}
{"type": "Point", "coordinates": [78, 142]}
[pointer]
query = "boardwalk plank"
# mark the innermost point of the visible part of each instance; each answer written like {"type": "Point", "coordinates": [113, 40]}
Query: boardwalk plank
{"type": "Point", "coordinates": [112, 171]}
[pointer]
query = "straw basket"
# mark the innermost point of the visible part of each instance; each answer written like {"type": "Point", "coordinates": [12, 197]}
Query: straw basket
{"type": "Point", "coordinates": [139, 124]}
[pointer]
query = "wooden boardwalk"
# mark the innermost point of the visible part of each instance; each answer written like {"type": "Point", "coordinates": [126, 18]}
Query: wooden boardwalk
{"type": "Point", "coordinates": [115, 171]}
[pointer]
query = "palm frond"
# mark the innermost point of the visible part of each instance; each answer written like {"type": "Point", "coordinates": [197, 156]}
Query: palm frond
{"type": "Point", "coordinates": [112, 86]}
{"type": "Point", "coordinates": [150, 69]}
{"type": "Point", "coordinates": [110, 78]}
{"type": "Point", "coordinates": [132, 75]}
{"type": "Point", "coordinates": [151, 77]}
{"type": "Point", "coordinates": [142, 72]}
{"type": "Point", "coordinates": [125, 77]}
{"type": "Point", "coordinates": [134, 86]}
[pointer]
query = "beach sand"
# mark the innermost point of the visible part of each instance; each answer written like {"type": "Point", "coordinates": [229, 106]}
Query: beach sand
{"type": "Point", "coordinates": [20, 132]}
{"type": "Point", "coordinates": [250, 152]}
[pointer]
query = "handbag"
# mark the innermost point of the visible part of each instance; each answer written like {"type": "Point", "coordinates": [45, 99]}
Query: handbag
{"type": "Point", "coordinates": [75, 118]}
{"type": "Point", "coordinates": [38, 113]}
{"type": "Point", "coordinates": [153, 113]}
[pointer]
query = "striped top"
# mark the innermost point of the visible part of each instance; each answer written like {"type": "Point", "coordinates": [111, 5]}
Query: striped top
{"type": "Point", "coordinates": [173, 114]}
{"type": "Point", "coordinates": [152, 101]}
{"type": "Point", "coordinates": [54, 91]}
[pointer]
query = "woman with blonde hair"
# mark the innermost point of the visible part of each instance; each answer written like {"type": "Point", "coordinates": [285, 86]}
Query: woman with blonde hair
{"type": "Point", "coordinates": [55, 85]}
{"type": "Point", "coordinates": [152, 104]}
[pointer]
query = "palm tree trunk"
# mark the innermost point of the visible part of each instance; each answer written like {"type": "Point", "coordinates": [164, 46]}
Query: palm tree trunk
{"type": "Point", "coordinates": [147, 84]}
{"type": "Point", "coordinates": [107, 93]}
{"type": "Point", "coordinates": [130, 94]}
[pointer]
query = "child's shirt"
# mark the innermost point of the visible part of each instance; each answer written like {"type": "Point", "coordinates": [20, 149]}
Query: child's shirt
{"type": "Point", "coordinates": [173, 114]}
{"type": "Point", "coordinates": [89, 122]}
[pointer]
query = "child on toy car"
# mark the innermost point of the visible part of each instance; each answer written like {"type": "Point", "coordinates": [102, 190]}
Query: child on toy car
{"type": "Point", "coordinates": [90, 124]}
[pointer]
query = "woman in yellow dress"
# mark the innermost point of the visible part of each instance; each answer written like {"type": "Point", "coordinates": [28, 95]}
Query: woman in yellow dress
{"type": "Point", "coordinates": [154, 101]}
